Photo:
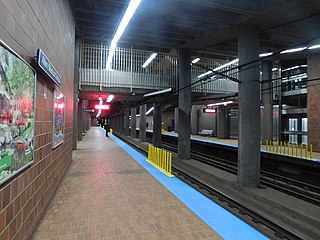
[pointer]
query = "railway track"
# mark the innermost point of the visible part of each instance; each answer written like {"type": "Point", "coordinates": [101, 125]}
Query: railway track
{"type": "Point", "coordinates": [298, 189]}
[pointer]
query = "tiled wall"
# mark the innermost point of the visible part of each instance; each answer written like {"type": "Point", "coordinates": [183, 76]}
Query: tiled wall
{"type": "Point", "coordinates": [25, 26]}
{"type": "Point", "coordinates": [314, 103]}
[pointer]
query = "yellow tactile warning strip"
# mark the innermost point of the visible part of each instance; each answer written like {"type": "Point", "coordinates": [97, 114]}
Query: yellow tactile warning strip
{"type": "Point", "coordinates": [107, 195]}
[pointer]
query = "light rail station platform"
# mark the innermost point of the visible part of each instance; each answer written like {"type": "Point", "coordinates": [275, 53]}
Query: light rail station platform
{"type": "Point", "coordinates": [111, 192]}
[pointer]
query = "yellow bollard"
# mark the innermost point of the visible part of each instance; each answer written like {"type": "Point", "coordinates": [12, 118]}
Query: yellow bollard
{"type": "Point", "coordinates": [292, 145]}
{"type": "Point", "coordinates": [163, 159]}
{"type": "Point", "coordinates": [280, 147]}
{"type": "Point", "coordinates": [311, 157]}
{"type": "Point", "coordinates": [267, 145]}
{"type": "Point", "coordinates": [111, 131]}
{"type": "Point", "coordinates": [296, 150]}
{"type": "Point", "coordinates": [301, 150]}
{"type": "Point", "coordinates": [288, 152]}
{"type": "Point", "coordinates": [306, 152]}
{"type": "Point", "coordinates": [170, 164]}
{"type": "Point", "coordinates": [277, 145]}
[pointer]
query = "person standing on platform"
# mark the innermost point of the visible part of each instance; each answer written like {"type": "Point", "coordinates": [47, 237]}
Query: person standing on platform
{"type": "Point", "coordinates": [107, 128]}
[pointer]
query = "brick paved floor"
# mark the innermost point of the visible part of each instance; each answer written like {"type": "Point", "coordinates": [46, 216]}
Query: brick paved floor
{"type": "Point", "coordinates": [107, 195]}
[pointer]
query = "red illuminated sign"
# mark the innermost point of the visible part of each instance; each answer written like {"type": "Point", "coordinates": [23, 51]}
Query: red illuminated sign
{"type": "Point", "coordinates": [210, 110]}
{"type": "Point", "coordinates": [59, 105]}
{"type": "Point", "coordinates": [103, 107]}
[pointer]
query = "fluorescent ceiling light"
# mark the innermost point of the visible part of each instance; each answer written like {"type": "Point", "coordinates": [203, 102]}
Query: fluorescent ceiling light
{"type": "Point", "coordinates": [265, 54]}
{"type": "Point", "coordinates": [158, 92]}
{"type": "Point", "coordinates": [133, 5]}
{"type": "Point", "coordinates": [153, 55]}
{"type": "Point", "coordinates": [294, 67]}
{"type": "Point", "coordinates": [150, 110]}
{"type": "Point", "coordinates": [293, 50]}
{"type": "Point", "coordinates": [205, 74]}
{"type": "Point", "coordinates": [110, 97]}
{"type": "Point", "coordinates": [274, 69]}
{"type": "Point", "coordinates": [220, 103]}
{"type": "Point", "coordinates": [220, 67]}
{"type": "Point", "coordinates": [195, 60]}
{"type": "Point", "coordinates": [227, 64]}
{"type": "Point", "coordinates": [314, 46]}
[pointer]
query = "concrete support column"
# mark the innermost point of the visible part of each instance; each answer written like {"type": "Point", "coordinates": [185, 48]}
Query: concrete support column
{"type": "Point", "coordinates": [85, 119]}
{"type": "Point", "coordinates": [122, 123]}
{"type": "Point", "coordinates": [313, 102]}
{"type": "Point", "coordinates": [117, 124]}
{"type": "Point", "coordinates": [223, 124]}
{"type": "Point", "coordinates": [249, 108]}
{"type": "Point", "coordinates": [76, 93]}
{"type": "Point", "coordinates": [184, 119]}
{"type": "Point", "coordinates": [266, 96]}
{"type": "Point", "coordinates": [133, 122]}
{"type": "Point", "coordinates": [142, 123]}
{"type": "Point", "coordinates": [156, 139]}
{"type": "Point", "coordinates": [126, 121]}
{"type": "Point", "coordinates": [176, 119]}
{"type": "Point", "coordinates": [80, 119]}
{"type": "Point", "coordinates": [194, 119]}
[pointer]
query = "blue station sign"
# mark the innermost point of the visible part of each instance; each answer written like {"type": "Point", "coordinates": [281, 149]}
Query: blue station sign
{"type": "Point", "coordinates": [45, 64]}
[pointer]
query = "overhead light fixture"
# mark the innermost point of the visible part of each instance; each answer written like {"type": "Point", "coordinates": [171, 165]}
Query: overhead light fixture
{"type": "Point", "coordinates": [153, 55]}
{"type": "Point", "coordinates": [293, 50]}
{"type": "Point", "coordinates": [195, 60]}
{"type": "Point", "coordinates": [274, 69]}
{"type": "Point", "coordinates": [205, 74]}
{"type": "Point", "coordinates": [220, 103]}
{"type": "Point", "coordinates": [220, 67]}
{"type": "Point", "coordinates": [110, 97]}
{"type": "Point", "coordinates": [265, 54]}
{"type": "Point", "coordinates": [132, 7]}
{"type": "Point", "coordinates": [227, 64]}
{"type": "Point", "coordinates": [158, 92]}
{"type": "Point", "coordinates": [149, 111]}
{"type": "Point", "coordinates": [314, 46]}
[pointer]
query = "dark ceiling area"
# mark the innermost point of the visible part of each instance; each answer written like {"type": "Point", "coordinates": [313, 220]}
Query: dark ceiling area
{"type": "Point", "coordinates": [205, 26]}
{"type": "Point", "coordinates": [208, 27]}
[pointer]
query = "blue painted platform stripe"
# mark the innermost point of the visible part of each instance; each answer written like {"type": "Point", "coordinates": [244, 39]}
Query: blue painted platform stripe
{"type": "Point", "coordinates": [221, 221]}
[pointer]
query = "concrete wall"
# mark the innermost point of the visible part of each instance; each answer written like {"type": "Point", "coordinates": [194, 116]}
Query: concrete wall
{"type": "Point", "coordinates": [166, 120]}
{"type": "Point", "coordinates": [314, 102]}
{"type": "Point", "coordinates": [207, 120]}
{"type": "Point", "coordinates": [26, 26]}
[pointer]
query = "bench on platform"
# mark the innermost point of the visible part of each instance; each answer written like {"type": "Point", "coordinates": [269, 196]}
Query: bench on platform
{"type": "Point", "coordinates": [206, 132]}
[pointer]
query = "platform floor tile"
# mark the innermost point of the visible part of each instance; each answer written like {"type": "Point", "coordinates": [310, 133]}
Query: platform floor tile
{"type": "Point", "coordinates": [107, 195]}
